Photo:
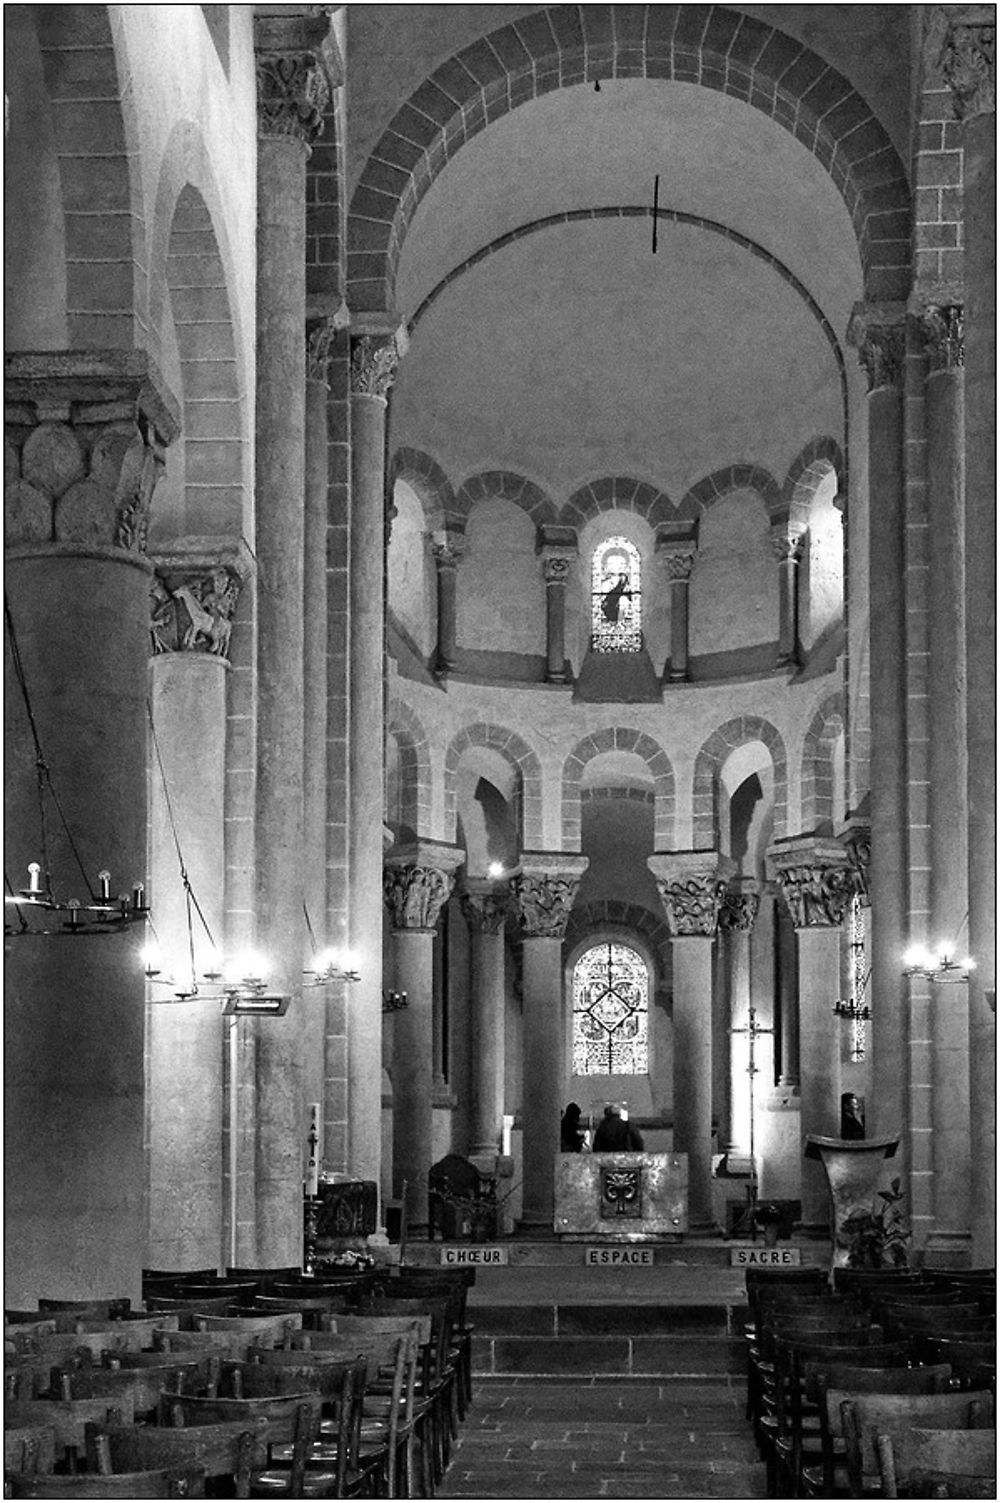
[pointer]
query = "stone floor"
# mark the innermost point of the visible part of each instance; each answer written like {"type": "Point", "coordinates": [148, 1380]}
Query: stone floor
{"type": "Point", "coordinates": [594, 1438]}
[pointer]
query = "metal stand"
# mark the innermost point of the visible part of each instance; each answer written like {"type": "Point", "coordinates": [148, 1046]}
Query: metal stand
{"type": "Point", "coordinates": [753, 1033]}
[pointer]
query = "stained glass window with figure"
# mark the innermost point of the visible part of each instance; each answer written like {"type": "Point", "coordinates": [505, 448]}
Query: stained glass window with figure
{"type": "Point", "coordinates": [610, 1012]}
{"type": "Point", "coordinates": [616, 597]}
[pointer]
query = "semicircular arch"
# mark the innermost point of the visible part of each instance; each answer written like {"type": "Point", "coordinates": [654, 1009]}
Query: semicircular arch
{"type": "Point", "coordinates": [429, 484]}
{"type": "Point", "coordinates": [825, 729]}
{"type": "Point", "coordinates": [505, 485]}
{"type": "Point", "coordinates": [514, 750]}
{"type": "Point", "coordinates": [414, 769]}
{"type": "Point", "coordinates": [618, 739]}
{"type": "Point", "coordinates": [709, 764]}
{"type": "Point", "coordinates": [617, 493]}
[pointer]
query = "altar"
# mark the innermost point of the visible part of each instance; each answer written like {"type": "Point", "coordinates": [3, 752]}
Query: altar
{"type": "Point", "coordinates": [621, 1197]}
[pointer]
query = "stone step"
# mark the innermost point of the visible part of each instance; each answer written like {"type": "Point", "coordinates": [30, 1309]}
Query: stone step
{"type": "Point", "coordinates": [624, 1355]}
{"type": "Point", "coordinates": [607, 1318]}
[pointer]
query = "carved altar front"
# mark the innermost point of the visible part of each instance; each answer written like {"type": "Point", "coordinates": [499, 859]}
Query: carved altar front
{"type": "Point", "coordinates": [621, 1197]}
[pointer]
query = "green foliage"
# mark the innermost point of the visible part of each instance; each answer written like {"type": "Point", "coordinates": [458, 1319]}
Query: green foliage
{"type": "Point", "coordinates": [879, 1238]}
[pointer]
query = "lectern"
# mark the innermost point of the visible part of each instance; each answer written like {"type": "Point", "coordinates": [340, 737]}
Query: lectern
{"type": "Point", "coordinates": [853, 1170]}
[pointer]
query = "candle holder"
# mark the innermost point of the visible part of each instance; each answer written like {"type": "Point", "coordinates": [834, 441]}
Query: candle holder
{"type": "Point", "coordinates": [394, 1001]}
{"type": "Point", "coordinates": [310, 1231]}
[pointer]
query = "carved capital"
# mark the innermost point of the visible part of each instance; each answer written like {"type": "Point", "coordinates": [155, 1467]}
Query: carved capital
{"type": "Point", "coordinates": [678, 564]}
{"type": "Point", "coordinates": [447, 550]}
{"type": "Point", "coordinates": [298, 66]}
{"type": "Point", "coordinates": [191, 604]}
{"type": "Point", "coordinates": [485, 905]}
{"type": "Point", "coordinates": [785, 545]}
{"type": "Point", "coordinates": [739, 910]}
{"type": "Point", "coordinates": [320, 337]}
{"type": "Point", "coordinates": [943, 328]}
{"type": "Point", "coordinates": [878, 333]}
{"type": "Point", "coordinates": [417, 882]}
{"type": "Point", "coordinates": [374, 359]}
{"type": "Point", "coordinates": [816, 881]}
{"type": "Point", "coordinates": [967, 60]}
{"type": "Point", "coordinates": [692, 888]}
{"type": "Point", "coordinates": [857, 843]}
{"type": "Point", "coordinates": [86, 438]}
{"type": "Point", "coordinates": [556, 567]}
{"type": "Point", "coordinates": [544, 893]}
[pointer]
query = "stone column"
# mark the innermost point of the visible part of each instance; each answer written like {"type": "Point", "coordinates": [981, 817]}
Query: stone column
{"type": "Point", "coordinates": [373, 366]}
{"type": "Point", "coordinates": [878, 333]}
{"type": "Point", "coordinates": [786, 544]}
{"type": "Point", "coordinates": [446, 552]}
{"type": "Point", "coordinates": [817, 884]}
{"type": "Point", "coordinates": [544, 892]}
{"type": "Point", "coordinates": [485, 904]}
{"type": "Point", "coordinates": [417, 883]}
{"type": "Point", "coordinates": [192, 602]}
{"type": "Point", "coordinates": [968, 62]}
{"type": "Point", "coordinates": [736, 919]}
{"type": "Point", "coordinates": [293, 89]}
{"type": "Point", "coordinates": [85, 434]}
{"type": "Point", "coordinates": [942, 327]}
{"type": "Point", "coordinates": [555, 568]}
{"type": "Point", "coordinates": [692, 887]}
{"type": "Point", "coordinates": [678, 554]}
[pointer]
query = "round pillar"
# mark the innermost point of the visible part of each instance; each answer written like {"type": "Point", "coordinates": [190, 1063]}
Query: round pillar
{"type": "Point", "coordinates": [556, 567]}
{"type": "Point", "coordinates": [446, 553]}
{"type": "Point", "coordinates": [484, 904]}
{"type": "Point", "coordinates": [787, 549]}
{"type": "Point", "coordinates": [544, 893]}
{"type": "Point", "coordinates": [680, 563]}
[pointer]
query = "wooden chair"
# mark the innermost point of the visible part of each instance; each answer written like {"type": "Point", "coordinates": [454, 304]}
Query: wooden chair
{"type": "Point", "coordinates": [437, 1381]}
{"type": "Point", "coordinates": [963, 1321]}
{"type": "Point", "coordinates": [263, 1330]}
{"type": "Point", "coordinates": [453, 1282]}
{"type": "Point", "coordinates": [202, 1344]}
{"type": "Point", "coordinates": [951, 1457]}
{"type": "Point", "coordinates": [833, 1327]}
{"type": "Point", "coordinates": [965, 1357]}
{"type": "Point", "coordinates": [825, 1476]}
{"type": "Point", "coordinates": [68, 1418]}
{"type": "Point", "coordinates": [29, 1448]}
{"type": "Point", "coordinates": [185, 1304]}
{"type": "Point", "coordinates": [311, 1308]}
{"type": "Point", "coordinates": [292, 1419]}
{"type": "Point", "coordinates": [264, 1277]}
{"type": "Point", "coordinates": [178, 1482]}
{"type": "Point", "coordinates": [87, 1309]}
{"type": "Point", "coordinates": [864, 1416]}
{"type": "Point", "coordinates": [230, 1450]}
{"type": "Point", "coordinates": [138, 1387]}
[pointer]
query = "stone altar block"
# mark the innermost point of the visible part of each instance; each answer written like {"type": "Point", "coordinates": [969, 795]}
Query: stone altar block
{"type": "Point", "coordinates": [621, 1197]}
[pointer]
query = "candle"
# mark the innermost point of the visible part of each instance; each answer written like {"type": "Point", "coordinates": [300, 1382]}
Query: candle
{"type": "Point", "coordinates": [312, 1168]}
{"type": "Point", "coordinates": [104, 878]}
{"type": "Point", "coordinates": [34, 874]}
{"type": "Point", "coordinates": [137, 895]}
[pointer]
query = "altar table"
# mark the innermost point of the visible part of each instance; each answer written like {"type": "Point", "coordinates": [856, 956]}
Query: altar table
{"type": "Point", "coordinates": [621, 1197]}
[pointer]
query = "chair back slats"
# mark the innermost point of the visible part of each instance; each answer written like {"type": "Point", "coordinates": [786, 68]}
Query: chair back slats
{"type": "Point", "coordinates": [291, 1419]}
{"type": "Point", "coordinates": [87, 1309]}
{"type": "Point", "coordinates": [863, 1416]}
{"type": "Point", "coordinates": [69, 1418]}
{"type": "Point", "coordinates": [965, 1357]}
{"type": "Point", "coordinates": [263, 1330]}
{"type": "Point", "coordinates": [29, 1448]}
{"type": "Point", "coordinates": [960, 1453]}
{"type": "Point", "coordinates": [177, 1482]}
{"type": "Point", "coordinates": [228, 1449]}
{"type": "Point", "coordinates": [187, 1303]}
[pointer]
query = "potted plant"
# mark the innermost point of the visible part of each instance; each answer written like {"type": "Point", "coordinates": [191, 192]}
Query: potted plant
{"type": "Point", "coordinates": [879, 1236]}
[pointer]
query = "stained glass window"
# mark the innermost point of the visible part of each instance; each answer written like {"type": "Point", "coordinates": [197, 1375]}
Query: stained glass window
{"type": "Point", "coordinates": [616, 597]}
{"type": "Point", "coordinates": [610, 1012]}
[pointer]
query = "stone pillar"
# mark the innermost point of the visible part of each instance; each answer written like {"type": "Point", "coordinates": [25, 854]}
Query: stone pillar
{"type": "Point", "coordinates": [446, 551]}
{"type": "Point", "coordinates": [942, 327]}
{"type": "Point", "coordinates": [678, 558]}
{"type": "Point", "coordinates": [417, 884]}
{"type": "Point", "coordinates": [558, 549]}
{"type": "Point", "coordinates": [293, 88]}
{"type": "Point", "coordinates": [968, 62]}
{"type": "Point", "coordinates": [878, 333]}
{"type": "Point", "coordinates": [736, 920]}
{"type": "Point", "coordinates": [692, 887]}
{"type": "Point", "coordinates": [192, 603]}
{"type": "Point", "coordinates": [544, 892]}
{"type": "Point", "coordinates": [788, 1000]}
{"type": "Point", "coordinates": [786, 544]}
{"type": "Point", "coordinates": [485, 904]}
{"type": "Point", "coordinates": [85, 434]}
{"type": "Point", "coordinates": [817, 884]}
{"type": "Point", "coordinates": [373, 366]}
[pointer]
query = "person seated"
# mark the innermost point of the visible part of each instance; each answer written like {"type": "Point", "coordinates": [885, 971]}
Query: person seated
{"type": "Point", "coordinates": [615, 1133]}
{"type": "Point", "coordinates": [572, 1135]}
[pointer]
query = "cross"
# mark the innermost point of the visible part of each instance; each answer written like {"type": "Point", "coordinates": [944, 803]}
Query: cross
{"type": "Point", "coordinates": [753, 1031]}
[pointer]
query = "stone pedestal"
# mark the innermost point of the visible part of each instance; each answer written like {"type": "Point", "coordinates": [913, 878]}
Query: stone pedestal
{"type": "Point", "coordinates": [621, 1197]}
{"type": "Point", "coordinates": [692, 887]}
{"type": "Point", "coordinates": [853, 1172]}
{"type": "Point", "coordinates": [543, 893]}
{"type": "Point", "coordinates": [417, 883]}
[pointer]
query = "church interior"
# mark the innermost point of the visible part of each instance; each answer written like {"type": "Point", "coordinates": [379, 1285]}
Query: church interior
{"type": "Point", "coordinates": [499, 612]}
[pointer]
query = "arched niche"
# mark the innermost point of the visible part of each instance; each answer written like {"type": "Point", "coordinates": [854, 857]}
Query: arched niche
{"type": "Point", "coordinates": [649, 1093]}
{"type": "Point", "coordinates": [488, 793]}
{"type": "Point", "coordinates": [411, 596]}
{"type": "Point", "coordinates": [821, 567]}
{"type": "Point", "coordinates": [734, 586]}
{"type": "Point", "coordinates": [745, 798]}
{"type": "Point", "coordinates": [655, 609]}
{"type": "Point", "coordinates": [500, 609]}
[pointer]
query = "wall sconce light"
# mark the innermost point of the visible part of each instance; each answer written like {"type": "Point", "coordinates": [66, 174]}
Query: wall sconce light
{"type": "Point", "coordinates": [330, 965]}
{"type": "Point", "coordinates": [394, 1001]}
{"type": "Point", "coordinates": [938, 965]}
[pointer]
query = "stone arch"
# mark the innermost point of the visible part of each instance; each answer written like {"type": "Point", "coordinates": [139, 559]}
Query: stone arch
{"type": "Point", "coordinates": [825, 729]}
{"type": "Point", "coordinates": [733, 477]}
{"type": "Point", "coordinates": [630, 918]}
{"type": "Point", "coordinates": [708, 765]}
{"type": "Point", "coordinates": [97, 148]}
{"type": "Point", "coordinates": [429, 482]}
{"type": "Point", "coordinates": [706, 44]}
{"type": "Point", "coordinates": [625, 739]}
{"type": "Point", "coordinates": [525, 763]}
{"type": "Point", "coordinates": [617, 493]}
{"type": "Point", "coordinates": [806, 474]}
{"type": "Point", "coordinates": [505, 485]}
{"type": "Point", "coordinates": [414, 766]}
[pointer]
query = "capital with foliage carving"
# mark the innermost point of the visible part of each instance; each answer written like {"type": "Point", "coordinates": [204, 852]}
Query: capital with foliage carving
{"type": "Point", "coordinates": [816, 881]}
{"type": "Point", "coordinates": [86, 435]}
{"type": "Point", "coordinates": [679, 564]}
{"type": "Point", "coordinates": [943, 328]}
{"type": "Point", "coordinates": [967, 58]}
{"type": "Point", "coordinates": [556, 567]}
{"type": "Point", "coordinates": [485, 904]}
{"type": "Point", "coordinates": [298, 67]}
{"type": "Point", "coordinates": [856, 839]}
{"type": "Point", "coordinates": [447, 549]}
{"type": "Point", "coordinates": [544, 892]}
{"type": "Point", "coordinates": [878, 333]}
{"type": "Point", "coordinates": [740, 906]}
{"type": "Point", "coordinates": [786, 545]}
{"type": "Point", "coordinates": [692, 887]}
{"type": "Point", "coordinates": [374, 360]}
{"type": "Point", "coordinates": [417, 882]}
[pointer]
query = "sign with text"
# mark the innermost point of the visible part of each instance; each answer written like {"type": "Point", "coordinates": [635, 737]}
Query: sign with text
{"type": "Point", "coordinates": [765, 1257]}
{"type": "Point", "coordinates": [476, 1257]}
{"type": "Point", "coordinates": [618, 1257]}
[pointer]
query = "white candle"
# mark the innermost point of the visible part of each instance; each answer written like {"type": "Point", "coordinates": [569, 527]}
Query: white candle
{"type": "Point", "coordinates": [312, 1170]}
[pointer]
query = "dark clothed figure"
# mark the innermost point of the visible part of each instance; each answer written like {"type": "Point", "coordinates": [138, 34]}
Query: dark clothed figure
{"type": "Point", "coordinates": [852, 1119]}
{"type": "Point", "coordinates": [611, 604]}
{"type": "Point", "coordinates": [616, 1135]}
{"type": "Point", "coordinates": [571, 1135]}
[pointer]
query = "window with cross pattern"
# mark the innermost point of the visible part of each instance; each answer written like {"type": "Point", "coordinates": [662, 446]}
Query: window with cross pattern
{"type": "Point", "coordinates": [610, 1012]}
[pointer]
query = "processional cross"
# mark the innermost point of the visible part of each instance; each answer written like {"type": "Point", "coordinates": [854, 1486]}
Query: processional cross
{"type": "Point", "coordinates": [753, 1031]}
